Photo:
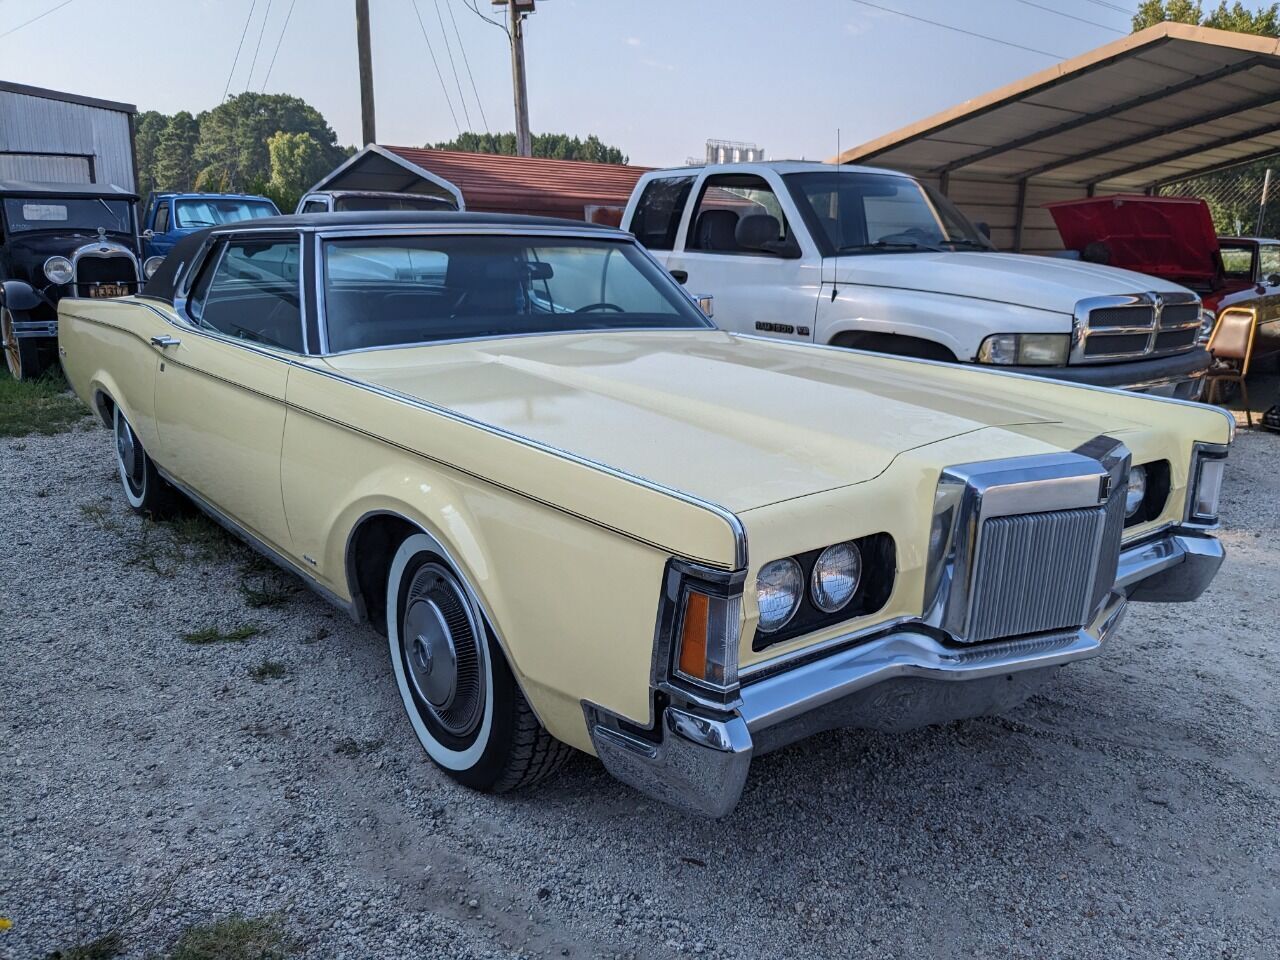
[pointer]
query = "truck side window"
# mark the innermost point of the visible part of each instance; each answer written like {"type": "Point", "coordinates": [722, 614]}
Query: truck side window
{"type": "Point", "coordinates": [740, 214]}
{"type": "Point", "coordinates": [161, 224]}
{"type": "Point", "coordinates": [315, 206]}
{"type": "Point", "coordinates": [658, 212]}
{"type": "Point", "coordinates": [1269, 254]}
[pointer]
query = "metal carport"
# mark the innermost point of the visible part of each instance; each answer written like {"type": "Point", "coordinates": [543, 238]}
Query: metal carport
{"type": "Point", "coordinates": [1170, 102]}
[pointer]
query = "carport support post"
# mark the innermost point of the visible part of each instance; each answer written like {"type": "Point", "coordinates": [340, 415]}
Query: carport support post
{"type": "Point", "coordinates": [1262, 204]}
{"type": "Point", "coordinates": [1020, 216]}
{"type": "Point", "coordinates": [367, 125]}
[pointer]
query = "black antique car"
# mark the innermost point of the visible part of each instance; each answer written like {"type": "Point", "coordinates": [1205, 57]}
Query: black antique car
{"type": "Point", "coordinates": [59, 240]}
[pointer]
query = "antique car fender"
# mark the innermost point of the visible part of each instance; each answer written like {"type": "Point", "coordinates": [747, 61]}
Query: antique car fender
{"type": "Point", "coordinates": [19, 297]}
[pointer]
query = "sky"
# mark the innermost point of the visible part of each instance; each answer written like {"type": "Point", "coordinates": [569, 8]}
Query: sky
{"type": "Point", "coordinates": [654, 77]}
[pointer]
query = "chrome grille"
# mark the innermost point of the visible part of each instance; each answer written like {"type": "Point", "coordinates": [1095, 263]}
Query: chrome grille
{"type": "Point", "coordinates": [1137, 325]}
{"type": "Point", "coordinates": [1034, 572]}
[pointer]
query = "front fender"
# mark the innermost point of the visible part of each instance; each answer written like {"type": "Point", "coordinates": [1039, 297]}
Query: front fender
{"type": "Point", "coordinates": [20, 298]}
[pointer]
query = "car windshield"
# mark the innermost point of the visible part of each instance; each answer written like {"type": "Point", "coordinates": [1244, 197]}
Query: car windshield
{"type": "Point", "coordinates": [859, 212]}
{"type": "Point", "coordinates": [29, 214]}
{"type": "Point", "coordinates": [391, 203]}
{"type": "Point", "coordinates": [406, 290]}
{"type": "Point", "coordinates": [210, 212]}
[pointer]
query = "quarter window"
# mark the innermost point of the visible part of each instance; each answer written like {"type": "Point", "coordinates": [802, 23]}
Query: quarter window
{"type": "Point", "coordinates": [315, 206]}
{"type": "Point", "coordinates": [161, 224]}
{"type": "Point", "coordinates": [657, 216]}
{"type": "Point", "coordinates": [249, 290]}
{"type": "Point", "coordinates": [740, 214]}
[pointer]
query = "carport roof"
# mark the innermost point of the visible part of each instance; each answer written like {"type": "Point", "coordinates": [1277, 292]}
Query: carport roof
{"type": "Point", "coordinates": [1169, 102]}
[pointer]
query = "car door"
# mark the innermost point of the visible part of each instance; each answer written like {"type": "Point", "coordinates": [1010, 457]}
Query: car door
{"type": "Point", "coordinates": [739, 245]}
{"type": "Point", "coordinates": [220, 389]}
{"type": "Point", "coordinates": [1268, 335]}
{"type": "Point", "coordinates": [158, 243]}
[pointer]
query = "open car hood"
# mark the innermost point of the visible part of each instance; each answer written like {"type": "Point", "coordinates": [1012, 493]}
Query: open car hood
{"type": "Point", "coordinates": [1170, 237]}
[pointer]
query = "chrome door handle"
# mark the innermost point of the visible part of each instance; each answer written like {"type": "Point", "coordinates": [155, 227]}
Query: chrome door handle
{"type": "Point", "coordinates": [165, 341]}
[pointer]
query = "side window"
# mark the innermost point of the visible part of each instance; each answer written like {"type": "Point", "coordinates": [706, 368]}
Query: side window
{"type": "Point", "coordinates": [657, 216]}
{"type": "Point", "coordinates": [315, 206]}
{"type": "Point", "coordinates": [1237, 262]}
{"type": "Point", "coordinates": [1269, 254]}
{"type": "Point", "coordinates": [161, 224]}
{"type": "Point", "coordinates": [248, 289]}
{"type": "Point", "coordinates": [740, 214]}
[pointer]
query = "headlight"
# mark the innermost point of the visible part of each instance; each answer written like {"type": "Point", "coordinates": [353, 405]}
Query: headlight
{"type": "Point", "coordinates": [1029, 349]}
{"type": "Point", "coordinates": [1137, 491]}
{"type": "Point", "coordinates": [59, 270]}
{"type": "Point", "coordinates": [1208, 319]}
{"type": "Point", "coordinates": [778, 588]}
{"type": "Point", "coordinates": [150, 266]}
{"type": "Point", "coordinates": [836, 576]}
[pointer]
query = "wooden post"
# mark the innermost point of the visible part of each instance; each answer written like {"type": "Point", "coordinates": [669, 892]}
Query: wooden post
{"type": "Point", "coordinates": [368, 126]}
{"type": "Point", "coordinates": [515, 27]}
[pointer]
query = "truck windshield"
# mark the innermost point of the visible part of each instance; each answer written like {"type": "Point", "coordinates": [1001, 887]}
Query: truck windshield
{"type": "Point", "coordinates": [382, 291]}
{"type": "Point", "coordinates": [859, 212]}
{"type": "Point", "coordinates": [67, 214]}
{"type": "Point", "coordinates": [212, 211]}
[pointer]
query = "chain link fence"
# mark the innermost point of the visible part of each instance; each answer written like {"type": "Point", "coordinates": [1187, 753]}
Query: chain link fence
{"type": "Point", "coordinates": [1245, 201]}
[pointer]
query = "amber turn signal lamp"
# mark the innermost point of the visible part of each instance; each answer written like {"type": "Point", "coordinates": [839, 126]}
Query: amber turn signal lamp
{"type": "Point", "coordinates": [709, 630]}
{"type": "Point", "coordinates": [693, 635]}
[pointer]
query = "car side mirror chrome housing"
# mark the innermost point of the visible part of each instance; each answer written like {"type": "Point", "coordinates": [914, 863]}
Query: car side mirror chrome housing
{"type": "Point", "coordinates": [150, 266]}
{"type": "Point", "coordinates": [18, 295]}
{"type": "Point", "coordinates": [707, 304]}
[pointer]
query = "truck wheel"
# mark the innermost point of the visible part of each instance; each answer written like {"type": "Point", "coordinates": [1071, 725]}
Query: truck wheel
{"type": "Point", "coordinates": [24, 357]}
{"type": "Point", "coordinates": [464, 703]}
{"type": "Point", "coordinates": [144, 488]}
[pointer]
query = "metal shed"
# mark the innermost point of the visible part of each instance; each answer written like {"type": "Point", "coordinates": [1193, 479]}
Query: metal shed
{"type": "Point", "coordinates": [1170, 102]}
{"type": "Point", "coordinates": [51, 137]}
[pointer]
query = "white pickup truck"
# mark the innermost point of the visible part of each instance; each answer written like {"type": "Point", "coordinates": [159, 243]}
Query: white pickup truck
{"type": "Point", "coordinates": [875, 260]}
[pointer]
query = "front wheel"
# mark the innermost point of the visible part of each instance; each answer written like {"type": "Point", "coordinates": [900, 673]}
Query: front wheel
{"type": "Point", "coordinates": [24, 358]}
{"type": "Point", "coordinates": [144, 488]}
{"type": "Point", "coordinates": [464, 703]}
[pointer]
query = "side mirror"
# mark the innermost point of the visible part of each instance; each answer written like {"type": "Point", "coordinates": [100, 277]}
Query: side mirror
{"type": "Point", "coordinates": [707, 304]}
{"type": "Point", "coordinates": [1273, 280]}
{"type": "Point", "coordinates": [18, 295]}
{"type": "Point", "coordinates": [681, 276]}
{"type": "Point", "coordinates": [150, 266]}
{"type": "Point", "coordinates": [984, 228]}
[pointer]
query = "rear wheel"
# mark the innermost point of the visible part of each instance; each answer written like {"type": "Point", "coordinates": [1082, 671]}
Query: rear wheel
{"type": "Point", "coordinates": [24, 357]}
{"type": "Point", "coordinates": [144, 488]}
{"type": "Point", "coordinates": [464, 703]}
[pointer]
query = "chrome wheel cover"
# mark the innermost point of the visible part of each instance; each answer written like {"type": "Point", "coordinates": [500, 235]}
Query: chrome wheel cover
{"type": "Point", "coordinates": [440, 646]}
{"type": "Point", "coordinates": [130, 455]}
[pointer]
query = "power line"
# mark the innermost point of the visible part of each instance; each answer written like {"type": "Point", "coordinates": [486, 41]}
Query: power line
{"type": "Point", "coordinates": [253, 64]}
{"type": "Point", "coordinates": [449, 49]}
{"type": "Point", "coordinates": [243, 34]}
{"type": "Point", "coordinates": [27, 23]}
{"type": "Point", "coordinates": [471, 5]}
{"type": "Point", "coordinates": [275, 53]}
{"type": "Point", "coordinates": [467, 62]}
{"type": "Point", "coordinates": [1070, 16]}
{"type": "Point", "coordinates": [1111, 6]}
{"type": "Point", "coordinates": [968, 33]}
{"type": "Point", "coordinates": [431, 50]}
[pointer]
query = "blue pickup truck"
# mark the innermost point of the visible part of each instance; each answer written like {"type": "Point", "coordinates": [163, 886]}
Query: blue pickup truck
{"type": "Point", "coordinates": [171, 216]}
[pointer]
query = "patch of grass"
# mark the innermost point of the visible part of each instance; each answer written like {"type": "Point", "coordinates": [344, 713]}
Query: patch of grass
{"type": "Point", "coordinates": [268, 670]}
{"type": "Point", "coordinates": [155, 552]}
{"type": "Point", "coordinates": [198, 533]}
{"type": "Point", "coordinates": [39, 406]}
{"type": "Point", "coordinates": [210, 635]}
{"type": "Point", "coordinates": [266, 590]}
{"type": "Point", "coordinates": [110, 944]}
{"type": "Point", "coordinates": [99, 514]}
{"type": "Point", "coordinates": [235, 938]}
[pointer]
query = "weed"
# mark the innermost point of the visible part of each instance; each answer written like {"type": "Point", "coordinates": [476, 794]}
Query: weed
{"type": "Point", "coordinates": [268, 670]}
{"type": "Point", "coordinates": [235, 938]}
{"type": "Point", "coordinates": [210, 635]}
{"type": "Point", "coordinates": [99, 514]}
{"type": "Point", "coordinates": [109, 945]}
{"type": "Point", "coordinates": [155, 553]}
{"type": "Point", "coordinates": [197, 532]}
{"type": "Point", "coordinates": [38, 406]}
{"type": "Point", "coordinates": [266, 590]}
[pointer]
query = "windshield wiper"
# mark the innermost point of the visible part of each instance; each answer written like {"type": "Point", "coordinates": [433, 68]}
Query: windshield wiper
{"type": "Point", "coordinates": [886, 245]}
{"type": "Point", "coordinates": [965, 242]}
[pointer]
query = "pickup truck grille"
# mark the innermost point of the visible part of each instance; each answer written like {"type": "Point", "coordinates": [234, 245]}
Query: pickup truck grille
{"type": "Point", "coordinates": [1136, 326]}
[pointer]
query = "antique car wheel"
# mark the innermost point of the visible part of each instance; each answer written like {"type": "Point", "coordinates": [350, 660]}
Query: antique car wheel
{"type": "Point", "coordinates": [462, 699]}
{"type": "Point", "coordinates": [144, 488]}
{"type": "Point", "coordinates": [23, 358]}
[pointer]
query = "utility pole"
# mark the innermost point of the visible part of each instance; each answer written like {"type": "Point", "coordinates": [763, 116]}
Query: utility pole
{"type": "Point", "coordinates": [1262, 205]}
{"type": "Point", "coordinates": [515, 29]}
{"type": "Point", "coordinates": [367, 125]}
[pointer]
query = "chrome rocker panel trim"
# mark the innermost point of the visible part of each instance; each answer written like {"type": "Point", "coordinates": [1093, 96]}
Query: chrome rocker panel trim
{"type": "Point", "coordinates": [907, 676]}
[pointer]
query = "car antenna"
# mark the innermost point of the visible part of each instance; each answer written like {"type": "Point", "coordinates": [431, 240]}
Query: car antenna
{"type": "Point", "coordinates": [835, 266]}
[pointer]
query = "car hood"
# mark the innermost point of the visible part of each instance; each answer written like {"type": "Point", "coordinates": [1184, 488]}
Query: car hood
{"type": "Point", "coordinates": [733, 420]}
{"type": "Point", "coordinates": [1041, 283]}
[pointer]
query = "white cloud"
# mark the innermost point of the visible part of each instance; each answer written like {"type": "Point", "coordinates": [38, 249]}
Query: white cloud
{"type": "Point", "coordinates": [634, 42]}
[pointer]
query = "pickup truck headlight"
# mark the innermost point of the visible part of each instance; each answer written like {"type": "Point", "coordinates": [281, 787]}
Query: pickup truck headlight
{"type": "Point", "coordinates": [59, 270]}
{"type": "Point", "coordinates": [779, 587]}
{"type": "Point", "coordinates": [1208, 320]}
{"type": "Point", "coordinates": [1026, 349]}
{"type": "Point", "coordinates": [1207, 467]}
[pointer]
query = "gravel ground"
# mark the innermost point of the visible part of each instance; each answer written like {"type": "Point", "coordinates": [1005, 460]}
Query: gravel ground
{"type": "Point", "coordinates": [150, 784]}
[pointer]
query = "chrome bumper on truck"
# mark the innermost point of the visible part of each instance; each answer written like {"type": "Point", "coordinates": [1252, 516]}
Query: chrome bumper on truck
{"type": "Point", "coordinates": [1180, 376]}
{"type": "Point", "coordinates": [696, 758]}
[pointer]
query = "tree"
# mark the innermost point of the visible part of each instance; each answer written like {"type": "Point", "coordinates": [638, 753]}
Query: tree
{"type": "Point", "coordinates": [148, 128]}
{"type": "Point", "coordinates": [233, 151]}
{"type": "Point", "coordinates": [297, 162]}
{"type": "Point", "coordinates": [175, 164]}
{"type": "Point", "coordinates": [555, 146]}
{"type": "Point", "coordinates": [1236, 17]}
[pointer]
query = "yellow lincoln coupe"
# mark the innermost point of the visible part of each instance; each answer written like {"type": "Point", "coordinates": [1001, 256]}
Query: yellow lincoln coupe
{"type": "Point", "coordinates": [586, 518]}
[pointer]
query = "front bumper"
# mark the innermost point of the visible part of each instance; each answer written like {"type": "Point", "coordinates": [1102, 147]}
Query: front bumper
{"type": "Point", "coordinates": [1180, 376]}
{"type": "Point", "coordinates": [696, 757]}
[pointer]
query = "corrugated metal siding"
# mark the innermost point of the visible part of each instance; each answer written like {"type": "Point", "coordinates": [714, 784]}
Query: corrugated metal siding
{"type": "Point", "coordinates": [32, 124]}
{"type": "Point", "coordinates": [45, 168]}
{"type": "Point", "coordinates": [529, 185]}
